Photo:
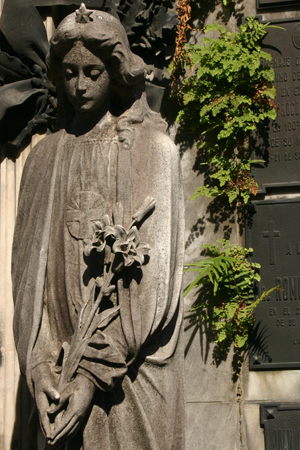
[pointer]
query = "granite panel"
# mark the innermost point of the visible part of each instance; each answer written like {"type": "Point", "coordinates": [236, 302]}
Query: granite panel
{"type": "Point", "coordinates": [212, 426]}
{"type": "Point", "coordinates": [254, 434]}
{"type": "Point", "coordinates": [280, 385]}
{"type": "Point", "coordinates": [205, 381]}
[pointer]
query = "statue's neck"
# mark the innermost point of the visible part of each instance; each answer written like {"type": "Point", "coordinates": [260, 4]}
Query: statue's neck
{"type": "Point", "coordinates": [84, 123]}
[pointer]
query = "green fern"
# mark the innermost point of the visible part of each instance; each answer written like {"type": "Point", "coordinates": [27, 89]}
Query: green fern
{"type": "Point", "coordinates": [228, 93]}
{"type": "Point", "coordinates": [232, 279]}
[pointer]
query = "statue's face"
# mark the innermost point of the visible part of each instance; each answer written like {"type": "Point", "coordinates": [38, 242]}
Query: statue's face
{"type": "Point", "coordinates": [86, 80]}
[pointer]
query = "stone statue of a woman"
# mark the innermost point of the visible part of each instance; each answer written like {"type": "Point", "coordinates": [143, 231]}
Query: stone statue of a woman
{"type": "Point", "coordinates": [97, 255]}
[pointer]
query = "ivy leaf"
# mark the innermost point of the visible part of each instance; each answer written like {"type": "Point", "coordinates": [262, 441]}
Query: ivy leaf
{"type": "Point", "coordinates": [231, 309]}
{"type": "Point", "coordinates": [231, 277]}
{"type": "Point", "coordinates": [189, 97]}
{"type": "Point", "coordinates": [240, 341]}
{"type": "Point", "coordinates": [222, 336]}
{"type": "Point", "coordinates": [229, 91]}
{"type": "Point", "coordinates": [232, 195]}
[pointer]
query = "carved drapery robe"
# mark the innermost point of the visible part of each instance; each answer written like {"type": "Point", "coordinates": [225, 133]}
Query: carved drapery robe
{"type": "Point", "coordinates": [135, 359]}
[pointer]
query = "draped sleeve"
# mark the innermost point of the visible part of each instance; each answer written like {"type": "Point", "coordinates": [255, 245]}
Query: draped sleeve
{"type": "Point", "coordinates": [31, 239]}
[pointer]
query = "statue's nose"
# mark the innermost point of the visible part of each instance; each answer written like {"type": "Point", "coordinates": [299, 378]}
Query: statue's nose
{"type": "Point", "coordinates": [81, 82]}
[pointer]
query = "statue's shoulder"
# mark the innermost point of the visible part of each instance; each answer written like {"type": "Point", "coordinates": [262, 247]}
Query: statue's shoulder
{"type": "Point", "coordinates": [41, 157]}
{"type": "Point", "coordinates": [41, 152]}
{"type": "Point", "coordinates": [157, 138]}
{"type": "Point", "coordinates": [47, 143]}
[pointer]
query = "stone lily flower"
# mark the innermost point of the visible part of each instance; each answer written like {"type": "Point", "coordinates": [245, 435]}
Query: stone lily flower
{"type": "Point", "coordinates": [121, 249]}
{"type": "Point", "coordinates": [98, 240]}
{"type": "Point", "coordinates": [129, 246]}
{"type": "Point", "coordinates": [124, 244]}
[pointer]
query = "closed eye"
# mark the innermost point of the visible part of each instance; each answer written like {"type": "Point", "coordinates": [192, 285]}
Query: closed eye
{"type": "Point", "coordinates": [69, 73]}
{"type": "Point", "coordinates": [95, 73]}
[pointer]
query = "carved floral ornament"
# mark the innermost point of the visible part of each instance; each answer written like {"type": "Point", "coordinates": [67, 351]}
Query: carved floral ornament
{"type": "Point", "coordinates": [118, 249]}
{"type": "Point", "coordinates": [27, 96]}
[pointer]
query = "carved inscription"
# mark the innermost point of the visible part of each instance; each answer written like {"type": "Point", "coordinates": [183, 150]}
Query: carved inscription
{"type": "Point", "coordinates": [271, 234]}
{"type": "Point", "coordinates": [280, 146]}
{"type": "Point", "coordinates": [274, 234]}
{"type": "Point", "coordinates": [281, 423]}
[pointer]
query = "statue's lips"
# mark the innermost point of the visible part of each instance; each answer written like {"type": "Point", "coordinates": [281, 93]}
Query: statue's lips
{"type": "Point", "coordinates": [83, 99]}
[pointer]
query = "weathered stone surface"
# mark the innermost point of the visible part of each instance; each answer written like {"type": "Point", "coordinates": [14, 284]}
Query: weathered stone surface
{"type": "Point", "coordinates": [272, 385]}
{"type": "Point", "coordinates": [254, 435]}
{"type": "Point", "coordinates": [201, 371]}
{"type": "Point", "coordinates": [11, 429]}
{"type": "Point", "coordinates": [212, 426]}
{"type": "Point", "coordinates": [212, 410]}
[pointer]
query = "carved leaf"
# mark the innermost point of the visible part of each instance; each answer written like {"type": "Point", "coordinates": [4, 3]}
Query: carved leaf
{"type": "Point", "coordinates": [135, 11]}
{"type": "Point", "coordinates": [157, 73]}
{"type": "Point", "coordinates": [164, 19]}
{"type": "Point", "coordinates": [24, 31]}
{"type": "Point", "coordinates": [14, 94]}
{"type": "Point", "coordinates": [12, 69]}
{"type": "Point", "coordinates": [147, 205]}
{"type": "Point", "coordinates": [111, 6]}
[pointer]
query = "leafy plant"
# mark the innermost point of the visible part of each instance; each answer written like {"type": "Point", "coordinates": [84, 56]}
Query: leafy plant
{"type": "Point", "coordinates": [227, 94]}
{"type": "Point", "coordinates": [231, 277]}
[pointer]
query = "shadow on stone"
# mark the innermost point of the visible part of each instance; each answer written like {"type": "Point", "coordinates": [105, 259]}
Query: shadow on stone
{"type": "Point", "coordinates": [20, 438]}
{"type": "Point", "coordinates": [199, 321]}
{"type": "Point", "coordinates": [258, 343]}
{"type": "Point", "coordinates": [196, 231]}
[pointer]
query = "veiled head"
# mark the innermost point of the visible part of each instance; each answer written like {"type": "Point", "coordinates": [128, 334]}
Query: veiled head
{"type": "Point", "coordinates": [103, 36]}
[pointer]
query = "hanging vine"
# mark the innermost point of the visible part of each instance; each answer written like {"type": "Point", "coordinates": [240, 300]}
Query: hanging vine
{"type": "Point", "coordinates": [231, 277]}
{"type": "Point", "coordinates": [181, 55]}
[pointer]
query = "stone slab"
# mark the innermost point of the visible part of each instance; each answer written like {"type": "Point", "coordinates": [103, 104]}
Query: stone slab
{"type": "Point", "coordinates": [278, 385]}
{"type": "Point", "coordinates": [212, 426]}
{"type": "Point", "coordinates": [275, 240]}
{"type": "Point", "coordinates": [279, 143]}
{"type": "Point", "coordinates": [253, 433]}
{"type": "Point", "coordinates": [204, 380]}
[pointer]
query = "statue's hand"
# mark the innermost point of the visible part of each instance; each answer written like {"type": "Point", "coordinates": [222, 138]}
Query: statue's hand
{"type": "Point", "coordinates": [75, 400]}
{"type": "Point", "coordinates": [45, 394]}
